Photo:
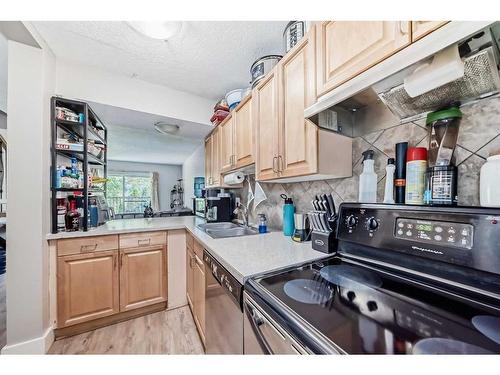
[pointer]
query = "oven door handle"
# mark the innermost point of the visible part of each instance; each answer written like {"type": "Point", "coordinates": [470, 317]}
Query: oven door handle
{"type": "Point", "coordinates": [256, 322]}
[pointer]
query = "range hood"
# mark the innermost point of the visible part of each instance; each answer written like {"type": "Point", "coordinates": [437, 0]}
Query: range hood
{"type": "Point", "coordinates": [464, 70]}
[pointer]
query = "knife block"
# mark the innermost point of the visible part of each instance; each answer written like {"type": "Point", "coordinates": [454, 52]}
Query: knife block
{"type": "Point", "coordinates": [326, 242]}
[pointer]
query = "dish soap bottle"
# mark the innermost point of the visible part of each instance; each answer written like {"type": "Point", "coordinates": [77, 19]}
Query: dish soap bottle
{"type": "Point", "coordinates": [288, 216]}
{"type": "Point", "coordinates": [368, 179]}
{"type": "Point", "coordinates": [262, 223]}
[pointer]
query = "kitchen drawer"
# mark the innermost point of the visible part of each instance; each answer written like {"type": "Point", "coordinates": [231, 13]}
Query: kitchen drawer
{"type": "Point", "coordinates": [189, 240]}
{"type": "Point", "coordinates": [71, 246]}
{"type": "Point", "coordinates": [198, 249]}
{"type": "Point", "coordinates": [142, 239]}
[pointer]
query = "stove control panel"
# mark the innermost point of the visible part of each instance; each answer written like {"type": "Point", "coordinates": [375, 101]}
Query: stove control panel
{"type": "Point", "coordinates": [462, 236]}
{"type": "Point", "coordinates": [436, 232]}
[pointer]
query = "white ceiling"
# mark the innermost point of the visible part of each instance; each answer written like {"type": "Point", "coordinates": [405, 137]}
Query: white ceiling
{"type": "Point", "coordinates": [132, 137]}
{"type": "Point", "coordinates": [207, 58]}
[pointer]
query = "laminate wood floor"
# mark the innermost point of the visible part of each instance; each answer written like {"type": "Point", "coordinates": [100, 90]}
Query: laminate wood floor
{"type": "Point", "coordinates": [3, 312]}
{"type": "Point", "coordinates": [165, 332]}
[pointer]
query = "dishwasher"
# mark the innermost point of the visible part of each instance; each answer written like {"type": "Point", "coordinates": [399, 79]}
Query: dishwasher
{"type": "Point", "coordinates": [223, 309]}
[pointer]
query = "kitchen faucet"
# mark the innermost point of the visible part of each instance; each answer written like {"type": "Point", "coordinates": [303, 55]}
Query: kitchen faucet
{"type": "Point", "coordinates": [240, 208]}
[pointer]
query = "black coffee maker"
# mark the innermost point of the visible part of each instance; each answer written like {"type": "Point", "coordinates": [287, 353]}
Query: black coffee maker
{"type": "Point", "coordinates": [219, 206]}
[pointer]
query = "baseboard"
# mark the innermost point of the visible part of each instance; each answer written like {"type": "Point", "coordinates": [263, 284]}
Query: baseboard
{"type": "Point", "coordinates": [39, 345]}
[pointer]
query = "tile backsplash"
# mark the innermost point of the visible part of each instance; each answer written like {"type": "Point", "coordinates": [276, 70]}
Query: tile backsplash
{"type": "Point", "coordinates": [479, 135]}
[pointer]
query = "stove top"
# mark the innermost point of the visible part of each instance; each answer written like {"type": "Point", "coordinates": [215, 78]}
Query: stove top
{"type": "Point", "coordinates": [361, 309]}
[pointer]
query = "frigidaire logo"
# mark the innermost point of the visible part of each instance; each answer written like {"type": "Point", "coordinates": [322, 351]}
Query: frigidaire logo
{"type": "Point", "coordinates": [427, 250]}
{"type": "Point", "coordinates": [319, 242]}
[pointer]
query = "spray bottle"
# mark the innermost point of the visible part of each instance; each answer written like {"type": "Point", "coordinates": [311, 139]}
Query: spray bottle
{"type": "Point", "coordinates": [368, 179]}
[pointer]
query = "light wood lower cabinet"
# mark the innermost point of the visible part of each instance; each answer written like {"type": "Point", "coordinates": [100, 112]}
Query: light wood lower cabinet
{"type": "Point", "coordinates": [190, 264]}
{"type": "Point", "coordinates": [195, 285]}
{"type": "Point", "coordinates": [199, 296]}
{"type": "Point", "coordinates": [87, 287]}
{"type": "Point", "coordinates": [92, 284]}
{"type": "Point", "coordinates": [143, 277]}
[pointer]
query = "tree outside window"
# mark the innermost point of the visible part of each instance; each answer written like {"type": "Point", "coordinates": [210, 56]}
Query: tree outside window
{"type": "Point", "coordinates": [128, 192]}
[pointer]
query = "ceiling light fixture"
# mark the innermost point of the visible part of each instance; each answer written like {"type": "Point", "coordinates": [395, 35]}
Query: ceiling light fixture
{"type": "Point", "coordinates": [157, 29]}
{"type": "Point", "coordinates": [165, 128]}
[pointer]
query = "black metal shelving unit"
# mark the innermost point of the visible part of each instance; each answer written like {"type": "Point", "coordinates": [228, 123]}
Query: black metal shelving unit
{"type": "Point", "coordinates": [85, 131]}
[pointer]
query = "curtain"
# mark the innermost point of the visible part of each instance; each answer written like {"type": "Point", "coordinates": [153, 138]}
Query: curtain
{"type": "Point", "coordinates": [155, 195]}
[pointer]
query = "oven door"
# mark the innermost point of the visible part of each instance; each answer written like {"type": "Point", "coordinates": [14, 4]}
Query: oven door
{"type": "Point", "coordinates": [262, 335]}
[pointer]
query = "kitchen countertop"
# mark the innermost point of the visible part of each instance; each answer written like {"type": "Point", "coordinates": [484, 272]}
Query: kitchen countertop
{"type": "Point", "coordinates": [243, 256]}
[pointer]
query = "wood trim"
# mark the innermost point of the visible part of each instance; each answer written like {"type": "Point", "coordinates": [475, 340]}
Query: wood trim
{"type": "Point", "coordinates": [69, 246]}
{"type": "Point", "coordinates": [143, 240]}
{"type": "Point", "coordinates": [102, 322]}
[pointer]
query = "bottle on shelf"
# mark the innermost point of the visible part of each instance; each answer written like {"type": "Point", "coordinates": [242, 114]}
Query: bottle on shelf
{"type": "Point", "coordinates": [389, 181]}
{"type": "Point", "coordinates": [72, 217]}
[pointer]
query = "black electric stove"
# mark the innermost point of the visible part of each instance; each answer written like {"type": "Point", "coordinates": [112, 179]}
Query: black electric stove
{"type": "Point", "coordinates": [400, 283]}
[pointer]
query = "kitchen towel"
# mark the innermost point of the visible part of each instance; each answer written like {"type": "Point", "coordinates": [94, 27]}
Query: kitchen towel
{"type": "Point", "coordinates": [234, 178]}
{"type": "Point", "coordinates": [250, 195]}
{"type": "Point", "coordinates": [260, 195]}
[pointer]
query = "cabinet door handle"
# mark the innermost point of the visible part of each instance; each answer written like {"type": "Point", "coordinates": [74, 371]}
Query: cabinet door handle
{"type": "Point", "coordinates": [280, 159]}
{"type": "Point", "coordinates": [121, 260]}
{"type": "Point", "coordinates": [114, 261]}
{"type": "Point", "coordinates": [88, 247]}
{"type": "Point", "coordinates": [274, 160]}
{"type": "Point", "coordinates": [145, 242]}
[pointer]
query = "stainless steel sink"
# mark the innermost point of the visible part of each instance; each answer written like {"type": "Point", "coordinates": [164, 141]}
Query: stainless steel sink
{"type": "Point", "coordinates": [225, 230]}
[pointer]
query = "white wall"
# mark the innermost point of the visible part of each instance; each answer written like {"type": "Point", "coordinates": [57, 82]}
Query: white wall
{"type": "Point", "coordinates": [194, 166]}
{"type": "Point", "coordinates": [168, 176]}
{"type": "Point", "coordinates": [3, 73]}
{"type": "Point", "coordinates": [31, 82]}
{"type": "Point", "coordinates": [92, 84]}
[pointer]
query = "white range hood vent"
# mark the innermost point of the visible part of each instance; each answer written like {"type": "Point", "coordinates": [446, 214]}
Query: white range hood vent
{"type": "Point", "coordinates": [480, 78]}
{"type": "Point", "coordinates": [457, 68]}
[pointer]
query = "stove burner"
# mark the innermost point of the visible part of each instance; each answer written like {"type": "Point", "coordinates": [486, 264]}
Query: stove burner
{"type": "Point", "coordinates": [438, 345]}
{"type": "Point", "coordinates": [307, 291]}
{"type": "Point", "coordinates": [342, 274]}
{"type": "Point", "coordinates": [488, 326]}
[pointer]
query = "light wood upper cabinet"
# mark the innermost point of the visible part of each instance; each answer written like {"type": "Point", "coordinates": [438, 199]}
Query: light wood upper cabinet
{"type": "Point", "coordinates": [208, 160]}
{"type": "Point", "coordinates": [243, 134]}
{"type": "Point", "coordinates": [216, 159]}
{"type": "Point", "coordinates": [297, 87]}
{"type": "Point", "coordinates": [87, 287]}
{"type": "Point", "coordinates": [143, 276]}
{"type": "Point", "coordinates": [213, 159]}
{"type": "Point", "coordinates": [267, 128]}
{"type": "Point", "coordinates": [226, 129]}
{"type": "Point", "coordinates": [420, 29]}
{"type": "Point", "coordinates": [347, 48]}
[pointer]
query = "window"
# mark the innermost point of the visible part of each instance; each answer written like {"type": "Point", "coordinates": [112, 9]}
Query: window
{"type": "Point", "coordinates": [128, 192]}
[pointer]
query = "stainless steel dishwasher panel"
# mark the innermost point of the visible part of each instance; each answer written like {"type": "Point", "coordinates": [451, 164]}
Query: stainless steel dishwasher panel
{"type": "Point", "coordinates": [223, 315]}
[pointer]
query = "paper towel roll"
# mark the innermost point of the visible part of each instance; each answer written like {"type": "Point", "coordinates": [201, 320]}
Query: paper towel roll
{"type": "Point", "coordinates": [234, 178]}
